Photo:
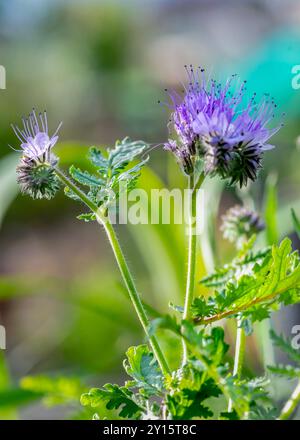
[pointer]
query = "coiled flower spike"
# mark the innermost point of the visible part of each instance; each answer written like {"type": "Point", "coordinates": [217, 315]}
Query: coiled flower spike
{"type": "Point", "coordinates": [212, 123]}
{"type": "Point", "coordinates": [240, 223]}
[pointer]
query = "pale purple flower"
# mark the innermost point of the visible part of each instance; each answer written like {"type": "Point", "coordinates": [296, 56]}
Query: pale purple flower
{"type": "Point", "coordinates": [36, 144]}
{"type": "Point", "coordinates": [36, 169]}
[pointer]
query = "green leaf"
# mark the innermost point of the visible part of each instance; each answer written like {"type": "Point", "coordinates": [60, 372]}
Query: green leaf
{"type": "Point", "coordinates": [286, 346]}
{"type": "Point", "coordinates": [229, 415]}
{"type": "Point", "coordinates": [257, 313]}
{"type": "Point", "coordinates": [265, 279]}
{"type": "Point", "coordinates": [69, 193]}
{"type": "Point", "coordinates": [263, 413]}
{"type": "Point", "coordinates": [14, 397]}
{"type": "Point", "coordinates": [55, 390]}
{"type": "Point", "coordinates": [201, 309]}
{"type": "Point", "coordinates": [124, 152]}
{"type": "Point", "coordinates": [187, 394]}
{"type": "Point", "coordinates": [247, 395]}
{"type": "Point", "coordinates": [116, 397]}
{"type": "Point", "coordinates": [98, 160]}
{"type": "Point", "coordinates": [116, 174]}
{"type": "Point", "coordinates": [144, 369]}
{"type": "Point", "coordinates": [244, 263]}
{"type": "Point", "coordinates": [87, 217]}
{"type": "Point", "coordinates": [287, 371]}
{"type": "Point", "coordinates": [85, 178]}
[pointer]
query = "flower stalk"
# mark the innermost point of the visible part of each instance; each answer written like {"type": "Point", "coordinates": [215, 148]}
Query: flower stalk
{"type": "Point", "coordinates": [133, 294]}
{"type": "Point", "coordinates": [291, 404]}
{"type": "Point", "coordinates": [125, 272]}
{"type": "Point", "coordinates": [193, 186]}
{"type": "Point", "coordinates": [239, 355]}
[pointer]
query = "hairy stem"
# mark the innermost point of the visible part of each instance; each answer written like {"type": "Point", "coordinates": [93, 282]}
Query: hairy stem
{"type": "Point", "coordinates": [68, 182]}
{"type": "Point", "coordinates": [125, 272]}
{"type": "Point", "coordinates": [134, 296]}
{"type": "Point", "coordinates": [239, 354]}
{"type": "Point", "coordinates": [194, 185]}
{"type": "Point", "coordinates": [291, 404]}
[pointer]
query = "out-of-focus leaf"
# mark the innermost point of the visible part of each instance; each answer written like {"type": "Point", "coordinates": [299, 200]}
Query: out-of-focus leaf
{"type": "Point", "coordinates": [296, 222]}
{"type": "Point", "coordinates": [285, 346]}
{"type": "Point", "coordinates": [5, 385]}
{"type": "Point", "coordinates": [54, 390]}
{"type": "Point", "coordinates": [8, 184]}
{"type": "Point", "coordinates": [11, 398]}
{"type": "Point", "coordinates": [285, 370]}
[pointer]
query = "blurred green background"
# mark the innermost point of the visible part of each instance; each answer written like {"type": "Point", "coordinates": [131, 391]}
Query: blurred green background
{"type": "Point", "coordinates": [101, 67]}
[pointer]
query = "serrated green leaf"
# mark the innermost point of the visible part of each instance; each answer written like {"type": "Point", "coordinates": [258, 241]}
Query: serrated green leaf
{"type": "Point", "coordinates": [232, 415]}
{"type": "Point", "coordinates": [241, 287]}
{"type": "Point", "coordinates": [69, 193]}
{"type": "Point", "coordinates": [116, 170]}
{"type": "Point", "coordinates": [116, 397]}
{"type": "Point", "coordinates": [98, 160]}
{"type": "Point", "coordinates": [247, 395]}
{"type": "Point", "coordinates": [286, 346]}
{"type": "Point", "coordinates": [85, 178]}
{"type": "Point", "coordinates": [285, 370]}
{"type": "Point", "coordinates": [87, 217]}
{"type": "Point", "coordinates": [124, 152]}
{"type": "Point", "coordinates": [263, 413]}
{"type": "Point", "coordinates": [187, 394]}
{"type": "Point", "coordinates": [201, 308]}
{"type": "Point", "coordinates": [144, 369]}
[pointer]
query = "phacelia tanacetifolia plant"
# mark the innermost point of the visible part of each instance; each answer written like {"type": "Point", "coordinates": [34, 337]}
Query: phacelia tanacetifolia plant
{"type": "Point", "coordinates": [221, 134]}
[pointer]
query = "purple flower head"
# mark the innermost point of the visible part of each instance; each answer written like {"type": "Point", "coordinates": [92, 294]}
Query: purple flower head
{"type": "Point", "coordinates": [36, 144]}
{"type": "Point", "coordinates": [212, 123]}
{"type": "Point", "coordinates": [35, 171]}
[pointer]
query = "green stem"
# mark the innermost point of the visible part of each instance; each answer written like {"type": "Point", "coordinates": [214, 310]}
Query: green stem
{"type": "Point", "coordinates": [68, 182]}
{"type": "Point", "coordinates": [239, 354]}
{"type": "Point", "coordinates": [192, 251]}
{"type": "Point", "coordinates": [127, 277]}
{"type": "Point", "coordinates": [134, 296]}
{"type": "Point", "coordinates": [291, 404]}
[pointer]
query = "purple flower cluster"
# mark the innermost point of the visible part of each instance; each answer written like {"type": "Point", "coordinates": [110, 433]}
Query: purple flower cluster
{"type": "Point", "coordinates": [213, 123]}
{"type": "Point", "coordinates": [35, 172]}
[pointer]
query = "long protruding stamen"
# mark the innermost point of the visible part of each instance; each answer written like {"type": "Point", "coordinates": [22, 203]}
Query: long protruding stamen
{"type": "Point", "coordinates": [34, 147]}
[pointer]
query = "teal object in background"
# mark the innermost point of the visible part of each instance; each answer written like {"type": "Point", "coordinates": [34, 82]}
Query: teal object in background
{"type": "Point", "coordinates": [269, 69]}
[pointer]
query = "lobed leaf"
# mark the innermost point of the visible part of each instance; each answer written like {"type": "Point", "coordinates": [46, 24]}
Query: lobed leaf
{"type": "Point", "coordinates": [116, 397]}
{"type": "Point", "coordinates": [144, 369]}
